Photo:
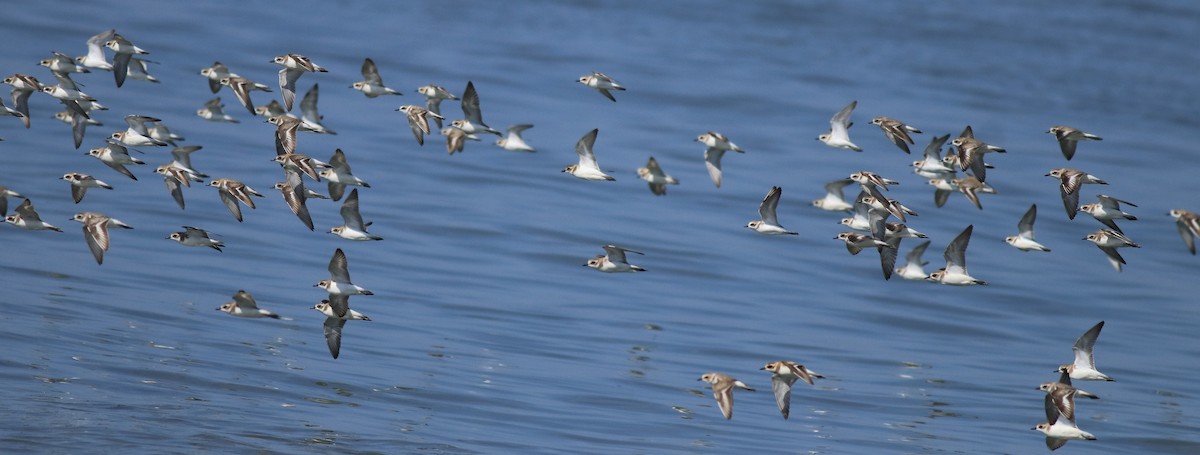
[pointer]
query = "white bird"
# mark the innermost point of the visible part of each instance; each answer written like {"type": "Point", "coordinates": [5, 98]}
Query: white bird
{"type": "Point", "coordinates": [473, 123]}
{"type": "Point", "coordinates": [214, 110]}
{"type": "Point", "coordinates": [95, 231]}
{"type": "Point", "coordinates": [372, 83]}
{"type": "Point", "coordinates": [95, 58]}
{"type": "Point", "coordinates": [914, 267]}
{"type": "Point", "coordinates": [337, 311]}
{"type": "Point", "coordinates": [1108, 241]}
{"type": "Point", "coordinates": [123, 53]}
{"type": "Point", "coordinates": [294, 65]}
{"type": "Point", "coordinates": [602, 83]}
{"type": "Point", "coordinates": [1107, 210]}
{"type": "Point", "coordinates": [244, 306]}
{"type": "Point", "coordinates": [513, 141]}
{"type": "Point", "coordinates": [1069, 137]}
{"type": "Point", "coordinates": [115, 156]}
{"type": "Point", "coordinates": [1024, 239]}
{"type": "Point", "coordinates": [835, 197]}
{"type": "Point", "coordinates": [339, 176]}
{"type": "Point", "coordinates": [768, 223]}
{"type": "Point", "coordinates": [785, 374]}
{"type": "Point", "coordinates": [955, 272]}
{"type": "Point", "coordinates": [1188, 224]}
{"type": "Point", "coordinates": [838, 136]}
{"type": "Point", "coordinates": [1084, 366]}
{"type": "Point", "coordinates": [587, 168]}
{"type": "Point", "coordinates": [192, 236]}
{"type": "Point", "coordinates": [655, 177]}
{"type": "Point", "coordinates": [339, 278]}
{"type": "Point", "coordinates": [614, 261]}
{"type": "Point", "coordinates": [722, 388]}
{"type": "Point", "coordinates": [308, 113]}
{"type": "Point", "coordinates": [353, 227]}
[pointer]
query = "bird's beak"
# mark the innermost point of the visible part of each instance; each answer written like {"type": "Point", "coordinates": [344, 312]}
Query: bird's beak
{"type": "Point", "coordinates": [1047, 175]}
{"type": "Point", "coordinates": [1034, 428]}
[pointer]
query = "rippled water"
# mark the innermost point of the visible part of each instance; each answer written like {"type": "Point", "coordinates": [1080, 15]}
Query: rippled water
{"type": "Point", "coordinates": [486, 334]}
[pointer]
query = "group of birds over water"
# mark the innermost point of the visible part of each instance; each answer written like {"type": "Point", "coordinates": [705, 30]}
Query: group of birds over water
{"type": "Point", "coordinates": [868, 222]}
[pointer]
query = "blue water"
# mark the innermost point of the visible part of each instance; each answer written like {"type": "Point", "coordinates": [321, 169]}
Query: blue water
{"type": "Point", "coordinates": [486, 334]}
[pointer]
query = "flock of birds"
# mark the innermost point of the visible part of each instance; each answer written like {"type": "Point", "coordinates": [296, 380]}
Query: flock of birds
{"type": "Point", "coordinates": [869, 223]}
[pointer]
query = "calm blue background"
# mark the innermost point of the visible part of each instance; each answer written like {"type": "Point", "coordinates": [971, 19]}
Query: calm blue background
{"type": "Point", "coordinates": [486, 334]}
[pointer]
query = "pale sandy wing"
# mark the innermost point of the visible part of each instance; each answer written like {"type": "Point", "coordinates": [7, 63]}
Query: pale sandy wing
{"type": "Point", "coordinates": [293, 194]}
{"type": "Point", "coordinates": [214, 104]}
{"type": "Point", "coordinates": [956, 252]}
{"type": "Point", "coordinates": [338, 267]}
{"type": "Point", "coordinates": [800, 372]}
{"type": "Point", "coordinates": [895, 132]}
{"type": "Point", "coordinates": [783, 393]}
{"type": "Point", "coordinates": [1025, 226]}
{"type": "Point", "coordinates": [371, 73]}
{"type": "Point", "coordinates": [587, 157]}
{"type": "Point", "coordinates": [350, 213]}
{"type": "Point", "coordinates": [516, 130]}
{"type": "Point", "coordinates": [769, 204]}
{"type": "Point", "coordinates": [418, 124]}
{"type": "Point", "coordinates": [1063, 398]}
{"type": "Point", "coordinates": [723, 392]}
{"type": "Point", "coordinates": [243, 192]}
{"type": "Point", "coordinates": [712, 161]}
{"type": "Point", "coordinates": [333, 335]}
{"type": "Point", "coordinates": [96, 233]}
{"type": "Point", "coordinates": [241, 88]}
{"type": "Point", "coordinates": [1084, 345]}
{"type": "Point", "coordinates": [285, 135]}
